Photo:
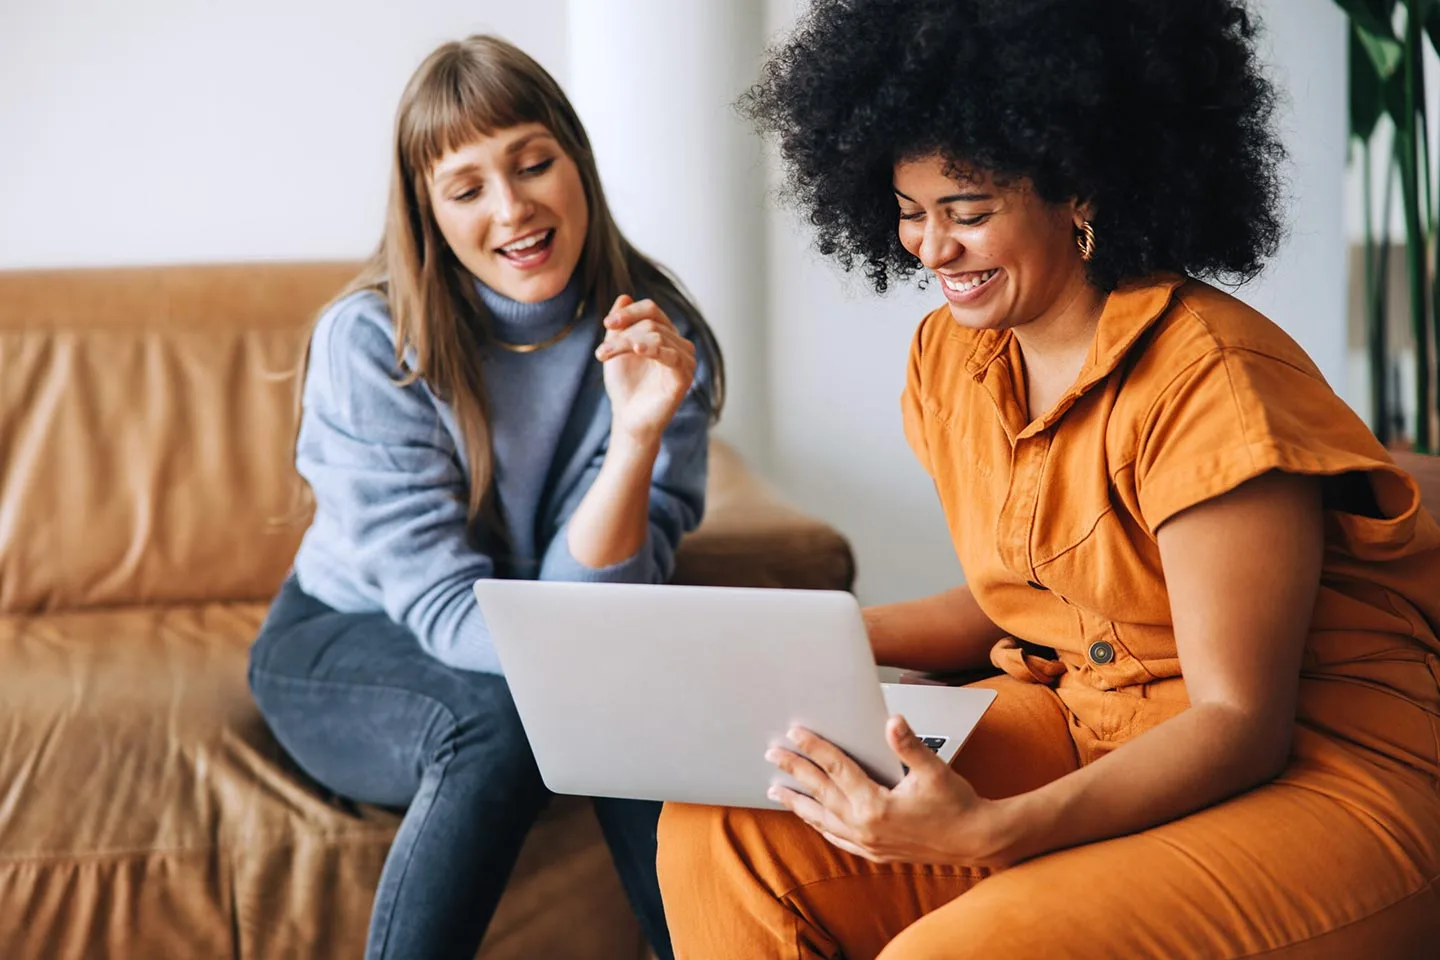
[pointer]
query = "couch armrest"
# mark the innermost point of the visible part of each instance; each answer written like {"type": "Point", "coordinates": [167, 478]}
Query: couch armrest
{"type": "Point", "coordinates": [752, 538]}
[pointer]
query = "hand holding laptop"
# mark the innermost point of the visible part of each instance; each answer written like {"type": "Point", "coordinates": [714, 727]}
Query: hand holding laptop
{"type": "Point", "coordinates": [932, 815]}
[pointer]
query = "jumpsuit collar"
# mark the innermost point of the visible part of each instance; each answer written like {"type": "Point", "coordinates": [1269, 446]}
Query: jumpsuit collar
{"type": "Point", "coordinates": [1130, 310]}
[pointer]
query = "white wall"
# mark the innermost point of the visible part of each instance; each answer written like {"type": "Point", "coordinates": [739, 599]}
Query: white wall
{"type": "Point", "coordinates": [195, 130]}
{"type": "Point", "coordinates": [1305, 289]}
{"type": "Point", "coordinates": [655, 82]}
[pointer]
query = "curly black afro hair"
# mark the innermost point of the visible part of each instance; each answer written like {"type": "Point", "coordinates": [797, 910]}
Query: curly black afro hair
{"type": "Point", "coordinates": [1155, 111]}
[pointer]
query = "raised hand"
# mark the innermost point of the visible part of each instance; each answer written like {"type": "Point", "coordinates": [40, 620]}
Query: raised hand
{"type": "Point", "coordinates": [649, 367]}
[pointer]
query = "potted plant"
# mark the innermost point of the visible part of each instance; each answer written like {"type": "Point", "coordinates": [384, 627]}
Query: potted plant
{"type": "Point", "coordinates": [1387, 81]}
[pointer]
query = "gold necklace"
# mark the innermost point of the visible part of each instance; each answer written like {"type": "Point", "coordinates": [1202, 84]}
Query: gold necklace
{"type": "Point", "coordinates": [548, 341]}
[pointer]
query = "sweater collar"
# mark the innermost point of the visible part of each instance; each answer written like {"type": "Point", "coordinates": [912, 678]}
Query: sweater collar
{"type": "Point", "coordinates": [517, 322]}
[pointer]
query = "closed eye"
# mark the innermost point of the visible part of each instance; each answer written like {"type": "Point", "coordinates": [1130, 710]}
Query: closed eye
{"type": "Point", "coordinates": [466, 196]}
{"type": "Point", "coordinates": [971, 221]}
{"type": "Point", "coordinates": [535, 170]}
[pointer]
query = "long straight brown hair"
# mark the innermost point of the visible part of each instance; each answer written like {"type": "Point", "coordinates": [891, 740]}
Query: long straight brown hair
{"type": "Point", "coordinates": [465, 90]}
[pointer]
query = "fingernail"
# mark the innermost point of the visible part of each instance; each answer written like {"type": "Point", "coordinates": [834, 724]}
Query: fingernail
{"type": "Point", "coordinates": [772, 755]}
{"type": "Point", "coordinates": [773, 794]}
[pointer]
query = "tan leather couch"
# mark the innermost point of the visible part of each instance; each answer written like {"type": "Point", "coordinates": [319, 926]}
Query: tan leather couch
{"type": "Point", "coordinates": [146, 420]}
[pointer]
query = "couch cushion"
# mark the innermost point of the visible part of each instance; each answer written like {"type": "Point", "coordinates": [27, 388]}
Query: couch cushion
{"type": "Point", "coordinates": [144, 806]}
{"type": "Point", "coordinates": [147, 431]}
{"type": "Point", "coordinates": [752, 538]}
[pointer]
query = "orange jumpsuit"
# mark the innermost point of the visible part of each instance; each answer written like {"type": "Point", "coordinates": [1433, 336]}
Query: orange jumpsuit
{"type": "Point", "coordinates": [1186, 394]}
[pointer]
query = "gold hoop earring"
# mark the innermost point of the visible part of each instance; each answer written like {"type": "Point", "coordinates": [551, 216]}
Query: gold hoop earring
{"type": "Point", "coordinates": [1086, 241]}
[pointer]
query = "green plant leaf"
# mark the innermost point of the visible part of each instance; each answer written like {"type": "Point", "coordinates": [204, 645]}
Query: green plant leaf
{"type": "Point", "coordinates": [1374, 16]}
{"type": "Point", "coordinates": [1367, 99]}
{"type": "Point", "coordinates": [1386, 53]}
{"type": "Point", "coordinates": [1392, 91]}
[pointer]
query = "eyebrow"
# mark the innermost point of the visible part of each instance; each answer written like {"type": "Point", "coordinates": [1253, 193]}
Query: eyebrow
{"type": "Point", "coordinates": [510, 150]}
{"type": "Point", "coordinates": [952, 198]}
{"type": "Point", "coordinates": [524, 141]}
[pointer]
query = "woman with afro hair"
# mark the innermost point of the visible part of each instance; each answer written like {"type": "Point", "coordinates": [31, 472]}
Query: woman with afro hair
{"type": "Point", "coordinates": [1211, 594]}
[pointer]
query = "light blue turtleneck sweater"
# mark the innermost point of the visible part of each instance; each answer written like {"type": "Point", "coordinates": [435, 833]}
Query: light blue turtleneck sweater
{"type": "Point", "coordinates": [388, 469]}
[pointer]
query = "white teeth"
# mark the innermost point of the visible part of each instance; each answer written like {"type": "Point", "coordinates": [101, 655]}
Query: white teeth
{"type": "Point", "coordinates": [522, 245]}
{"type": "Point", "coordinates": [973, 281]}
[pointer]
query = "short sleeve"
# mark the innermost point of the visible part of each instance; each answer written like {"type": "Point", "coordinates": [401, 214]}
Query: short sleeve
{"type": "Point", "coordinates": [1235, 414]}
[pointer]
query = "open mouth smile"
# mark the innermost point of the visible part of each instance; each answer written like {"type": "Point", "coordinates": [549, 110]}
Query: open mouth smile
{"type": "Point", "coordinates": [964, 287]}
{"type": "Point", "coordinates": [529, 251]}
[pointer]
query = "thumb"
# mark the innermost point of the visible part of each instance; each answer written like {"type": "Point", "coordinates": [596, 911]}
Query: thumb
{"type": "Point", "coordinates": [907, 745]}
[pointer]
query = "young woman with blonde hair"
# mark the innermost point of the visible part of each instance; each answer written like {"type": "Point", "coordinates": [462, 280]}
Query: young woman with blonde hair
{"type": "Point", "coordinates": [508, 389]}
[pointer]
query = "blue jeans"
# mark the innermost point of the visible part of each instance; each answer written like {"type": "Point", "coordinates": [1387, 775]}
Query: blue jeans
{"type": "Point", "coordinates": [372, 717]}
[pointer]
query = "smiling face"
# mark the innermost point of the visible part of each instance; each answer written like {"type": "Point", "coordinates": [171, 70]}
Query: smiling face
{"type": "Point", "coordinates": [512, 208]}
{"type": "Point", "coordinates": [1004, 257]}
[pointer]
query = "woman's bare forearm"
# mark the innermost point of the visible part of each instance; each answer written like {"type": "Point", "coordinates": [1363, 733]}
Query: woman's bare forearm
{"type": "Point", "coordinates": [1192, 761]}
{"type": "Point", "coordinates": [612, 521]}
{"type": "Point", "coordinates": [940, 633]}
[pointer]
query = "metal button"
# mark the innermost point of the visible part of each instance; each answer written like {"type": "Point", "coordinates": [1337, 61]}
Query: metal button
{"type": "Point", "coordinates": [1037, 586]}
{"type": "Point", "coordinates": [1101, 652]}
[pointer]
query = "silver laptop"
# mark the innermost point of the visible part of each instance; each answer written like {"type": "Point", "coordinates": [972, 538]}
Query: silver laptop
{"type": "Point", "coordinates": [674, 692]}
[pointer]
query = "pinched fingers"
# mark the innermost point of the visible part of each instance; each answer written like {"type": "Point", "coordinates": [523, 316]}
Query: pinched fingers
{"type": "Point", "coordinates": [654, 333]}
{"type": "Point", "coordinates": [627, 313]}
{"type": "Point", "coordinates": [652, 341]}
